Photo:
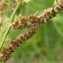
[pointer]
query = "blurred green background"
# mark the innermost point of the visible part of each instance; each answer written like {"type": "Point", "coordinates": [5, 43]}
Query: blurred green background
{"type": "Point", "coordinates": [46, 46]}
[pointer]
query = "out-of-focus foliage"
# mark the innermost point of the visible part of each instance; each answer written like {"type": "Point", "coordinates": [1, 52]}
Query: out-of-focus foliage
{"type": "Point", "coordinates": [46, 46]}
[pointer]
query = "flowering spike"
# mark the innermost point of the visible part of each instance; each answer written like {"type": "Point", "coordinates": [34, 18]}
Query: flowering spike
{"type": "Point", "coordinates": [43, 18]}
{"type": "Point", "coordinates": [6, 51]}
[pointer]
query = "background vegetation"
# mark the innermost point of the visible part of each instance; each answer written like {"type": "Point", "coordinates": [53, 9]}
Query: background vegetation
{"type": "Point", "coordinates": [46, 46]}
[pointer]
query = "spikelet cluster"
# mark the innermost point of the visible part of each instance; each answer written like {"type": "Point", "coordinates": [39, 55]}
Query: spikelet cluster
{"type": "Point", "coordinates": [6, 51]}
{"type": "Point", "coordinates": [22, 21]}
{"type": "Point", "coordinates": [43, 18]}
{"type": "Point", "coordinates": [2, 7]}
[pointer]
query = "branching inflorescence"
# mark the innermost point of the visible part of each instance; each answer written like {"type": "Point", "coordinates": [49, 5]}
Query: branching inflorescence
{"type": "Point", "coordinates": [29, 21]}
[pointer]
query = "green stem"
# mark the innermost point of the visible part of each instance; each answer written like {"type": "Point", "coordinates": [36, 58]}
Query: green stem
{"type": "Point", "coordinates": [9, 27]}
